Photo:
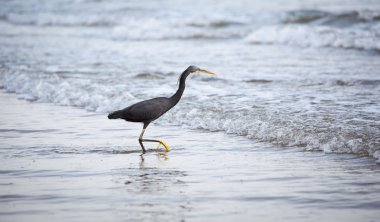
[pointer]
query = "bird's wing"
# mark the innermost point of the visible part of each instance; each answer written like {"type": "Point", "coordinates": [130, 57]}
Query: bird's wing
{"type": "Point", "coordinates": [147, 110]}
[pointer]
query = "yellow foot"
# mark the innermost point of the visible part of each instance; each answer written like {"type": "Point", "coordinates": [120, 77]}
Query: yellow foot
{"type": "Point", "coordinates": [167, 148]}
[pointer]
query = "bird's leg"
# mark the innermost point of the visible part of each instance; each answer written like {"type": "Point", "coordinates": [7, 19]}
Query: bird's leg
{"type": "Point", "coordinates": [141, 140]}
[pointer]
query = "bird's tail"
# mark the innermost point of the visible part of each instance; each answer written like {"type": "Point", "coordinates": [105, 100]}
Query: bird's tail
{"type": "Point", "coordinates": [114, 115]}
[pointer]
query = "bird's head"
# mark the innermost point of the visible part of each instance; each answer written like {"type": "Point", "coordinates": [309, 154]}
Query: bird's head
{"type": "Point", "coordinates": [193, 69]}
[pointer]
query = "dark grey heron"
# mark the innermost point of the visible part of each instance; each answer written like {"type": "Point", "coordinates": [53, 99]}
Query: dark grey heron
{"type": "Point", "coordinates": [149, 110]}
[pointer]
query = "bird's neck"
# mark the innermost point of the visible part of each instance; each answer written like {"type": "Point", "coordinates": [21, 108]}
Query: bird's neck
{"type": "Point", "coordinates": [177, 95]}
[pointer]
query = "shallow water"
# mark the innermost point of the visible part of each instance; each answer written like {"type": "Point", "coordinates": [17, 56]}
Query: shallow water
{"type": "Point", "coordinates": [58, 164]}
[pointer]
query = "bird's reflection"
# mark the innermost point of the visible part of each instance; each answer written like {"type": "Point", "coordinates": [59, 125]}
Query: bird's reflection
{"type": "Point", "coordinates": [161, 156]}
{"type": "Point", "coordinates": [142, 160]}
{"type": "Point", "coordinates": [151, 181]}
{"type": "Point", "coordinates": [149, 178]}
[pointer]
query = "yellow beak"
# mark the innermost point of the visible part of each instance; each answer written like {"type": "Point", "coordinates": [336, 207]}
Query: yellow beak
{"type": "Point", "coordinates": [207, 72]}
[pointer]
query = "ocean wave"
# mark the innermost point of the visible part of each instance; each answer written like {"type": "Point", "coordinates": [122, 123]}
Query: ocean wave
{"type": "Point", "coordinates": [312, 129]}
{"type": "Point", "coordinates": [215, 24]}
{"type": "Point", "coordinates": [303, 16]}
{"type": "Point", "coordinates": [154, 29]}
{"type": "Point", "coordinates": [316, 36]}
{"type": "Point", "coordinates": [358, 83]}
{"type": "Point", "coordinates": [49, 19]}
{"type": "Point", "coordinates": [314, 132]}
{"type": "Point", "coordinates": [123, 27]}
{"type": "Point", "coordinates": [149, 75]}
{"type": "Point", "coordinates": [342, 19]}
{"type": "Point", "coordinates": [259, 81]}
{"type": "Point", "coordinates": [361, 82]}
{"type": "Point", "coordinates": [75, 92]}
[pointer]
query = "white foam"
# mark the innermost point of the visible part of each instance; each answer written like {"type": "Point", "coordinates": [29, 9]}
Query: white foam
{"type": "Point", "coordinates": [67, 92]}
{"type": "Point", "coordinates": [56, 19]}
{"type": "Point", "coordinates": [316, 36]}
{"type": "Point", "coordinates": [121, 27]}
{"type": "Point", "coordinates": [278, 128]}
{"type": "Point", "coordinates": [159, 29]}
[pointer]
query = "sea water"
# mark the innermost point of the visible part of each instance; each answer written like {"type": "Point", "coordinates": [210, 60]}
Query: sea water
{"type": "Point", "coordinates": [288, 73]}
{"type": "Point", "coordinates": [292, 77]}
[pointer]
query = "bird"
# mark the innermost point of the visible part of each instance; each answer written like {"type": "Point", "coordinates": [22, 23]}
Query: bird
{"type": "Point", "coordinates": [149, 110]}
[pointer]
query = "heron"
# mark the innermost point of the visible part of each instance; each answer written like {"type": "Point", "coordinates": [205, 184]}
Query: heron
{"type": "Point", "coordinates": [149, 110]}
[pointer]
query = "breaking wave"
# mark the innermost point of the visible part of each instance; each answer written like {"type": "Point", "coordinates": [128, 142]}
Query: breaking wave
{"type": "Point", "coordinates": [341, 132]}
{"type": "Point", "coordinates": [120, 27]}
{"type": "Point", "coordinates": [316, 36]}
{"type": "Point", "coordinates": [313, 28]}
{"type": "Point", "coordinates": [311, 131]}
{"type": "Point", "coordinates": [49, 19]}
{"type": "Point", "coordinates": [342, 19]}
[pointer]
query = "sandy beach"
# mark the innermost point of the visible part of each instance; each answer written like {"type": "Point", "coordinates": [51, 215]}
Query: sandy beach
{"type": "Point", "coordinates": [66, 164]}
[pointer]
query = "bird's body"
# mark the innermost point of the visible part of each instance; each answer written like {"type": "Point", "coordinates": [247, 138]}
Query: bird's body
{"type": "Point", "coordinates": [149, 110]}
{"type": "Point", "coordinates": [145, 111]}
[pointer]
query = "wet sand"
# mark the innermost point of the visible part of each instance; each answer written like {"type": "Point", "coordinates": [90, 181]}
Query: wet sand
{"type": "Point", "coordinates": [66, 164]}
